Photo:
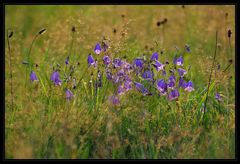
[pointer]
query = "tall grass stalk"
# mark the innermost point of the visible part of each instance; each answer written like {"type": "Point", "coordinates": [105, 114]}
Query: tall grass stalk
{"type": "Point", "coordinates": [10, 64]}
{"type": "Point", "coordinates": [210, 78]}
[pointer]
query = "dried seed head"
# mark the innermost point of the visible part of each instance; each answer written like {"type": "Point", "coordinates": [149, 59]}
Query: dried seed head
{"type": "Point", "coordinates": [114, 31]}
{"type": "Point", "coordinates": [183, 6]}
{"type": "Point", "coordinates": [226, 14]}
{"type": "Point", "coordinates": [158, 23]}
{"type": "Point", "coordinates": [10, 35]}
{"type": "Point", "coordinates": [230, 61]}
{"type": "Point", "coordinates": [42, 31]}
{"type": "Point", "coordinates": [73, 29]}
{"type": "Point", "coordinates": [229, 33]}
{"type": "Point", "coordinates": [165, 20]}
{"type": "Point", "coordinates": [122, 15]}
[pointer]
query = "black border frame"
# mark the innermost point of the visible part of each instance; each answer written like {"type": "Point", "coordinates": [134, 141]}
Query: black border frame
{"type": "Point", "coordinates": [130, 2]}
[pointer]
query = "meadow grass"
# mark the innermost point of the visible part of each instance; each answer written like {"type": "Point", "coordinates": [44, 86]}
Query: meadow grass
{"type": "Point", "coordinates": [44, 125]}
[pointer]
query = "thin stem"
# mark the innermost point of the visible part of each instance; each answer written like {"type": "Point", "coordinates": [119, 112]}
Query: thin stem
{"type": "Point", "coordinates": [28, 57]}
{"type": "Point", "coordinates": [10, 63]}
{"type": "Point", "coordinates": [210, 78]}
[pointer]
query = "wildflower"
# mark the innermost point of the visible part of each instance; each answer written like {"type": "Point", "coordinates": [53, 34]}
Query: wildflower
{"type": "Point", "coordinates": [106, 60]}
{"type": "Point", "coordinates": [109, 74]}
{"type": "Point", "coordinates": [121, 89]}
{"type": "Point", "coordinates": [69, 94]}
{"type": "Point", "coordinates": [97, 49]}
{"type": "Point", "coordinates": [126, 66]}
{"type": "Point", "coordinates": [127, 84]}
{"type": "Point", "coordinates": [55, 78]}
{"type": "Point", "coordinates": [162, 87]}
{"type": "Point", "coordinates": [141, 88]}
{"type": "Point", "coordinates": [159, 66]}
{"type": "Point", "coordinates": [33, 76]}
{"type": "Point", "coordinates": [148, 75]}
{"type": "Point", "coordinates": [90, 60]}
{"type": "Point", "coordinates": [105, 46]}
{"type": "Point", "coordinates": [138, 63]}
{"type": "Point", "coordinates": [164, 73]}
{"type": "Point", "coordinates": [179, 61]}
{"type": "Point", "coordinates": [189, 87]}
{"type": "Point", "coordinates": [154, 56]}
{"type": "Point", "coordinates": [114, 100]}
{"type": "Point", "coordinates": [181, 72]}
{"type": "Point", "coordinates": [67, 60]}
{"type": "Point", "coordinates": [181, 83]}
{"type": "Point", "coordinates": [117, 62]}
{"type": "Point", "coordinates": [174, 94]}
{"type": "Point", "coordinates": [187, 48]}
{"type": "Point", "coordinates": [218, 97]}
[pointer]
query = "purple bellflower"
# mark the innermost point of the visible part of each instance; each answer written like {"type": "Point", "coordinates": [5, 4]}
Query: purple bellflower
{"type": "Point", "coordinates": [154, 56]}
{"type": "Point", "coordinates": [117, 62]}
{"type": "Point", "coordinates": [67, 61]}
{"type": "Point", "coordinates": [91, 60]}
{"type": "Point", "coordinates": [159, 66]}
{"type": "Point", "coordinates": [179, 61]}
{"type": "Point", "coordinates": [162, 87]}
{"type": "Point", "coordinates": [33, 76]}
{"type": "Point", "coordinates": [189, 87]}
{"type": "Point", "coordinates": [55, 78]}
{"type": "Point", "coordinates": [181, 72]}
{"type": "Point", "coordinates": [141, 88]}
{"type": "Point", "coordinates": [97, 49]}
{"type": "Point", "coordinates": [218, 97]}
{"type": "Point", "coordinates": [69, 94]}
{"type": "Point", "coordinates": [106, 60]}
{"type": "Point", "coordinates": [174, 94]}
{"type": "Point", "coordinates": [148, 75]}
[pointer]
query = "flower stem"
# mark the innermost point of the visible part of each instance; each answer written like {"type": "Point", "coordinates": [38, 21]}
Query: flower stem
{"type": "Point", "coordinates": [210, 78]}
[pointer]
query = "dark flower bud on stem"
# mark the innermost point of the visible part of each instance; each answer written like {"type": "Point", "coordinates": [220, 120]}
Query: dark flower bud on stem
{"type": "Point", "coordinates": [229, 33]}
{"type": "Point", "coordinates": [41, 31]}
{"type": "Point", "coordinates": [10, 35]}
{"type": "Point", "coordinates": [73, 29]}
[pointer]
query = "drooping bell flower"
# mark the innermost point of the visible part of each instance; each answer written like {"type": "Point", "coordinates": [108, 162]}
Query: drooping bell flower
{"type": "Point", "coordinates": [105, 46]}
{"type": "Point", "coordinates": [109, 74]}
{"type": "Point", "coordinates": [55, 78]}
{"type": "Point", "coordinates": [106, 60]}
{"type": "Point", "coordinates": [174, 94]}
{"type": "Point", "coordinates": [182, 83]}
{"type": "Point", "coordinates": [159, 66]}
{"type": "Point", "coordinates": [121, 89]}
{"type": "Point", "coordinates": [91, 60]}
{"type": "Point", "coordinates": [127, 84]}
{"type": "Point", "coordinates": [187, 48]}
{"type": "Point", "coordinates": [189, 87]}
{"type": "Point", "coordinates": [178, 61]}
{"type": "Point", "coordinates": [69, 94]}
{"type": "Point", "coordinates": [141, 88]}
{"type": "Point", "coordinates": [114, 100]}
{"type": "Point", "coordinates": [117, 62]}
{"type": "Point", "coordinates": [127, 66]}
{"type": "Point", "coordinates": [33, 76]}
{"type": "Point", "coordinates": [67, 61]}
{"type": "Point", "coordinates": [181, 72]}
{"type": "Point", "coordinates": [97, 49]}
{"type": "Point", "coordinates": [148, 75]}
{"type": "Point", "coordinates": [154, 56]}
{"type": "Point", "coordinates": [218, 97]}
{"type": "Point", "coordinates": [162, 87]}
{"type": "Point", "coordinates": [139, 63]}
{"type": "Point", "coordinates": [171, 82]}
